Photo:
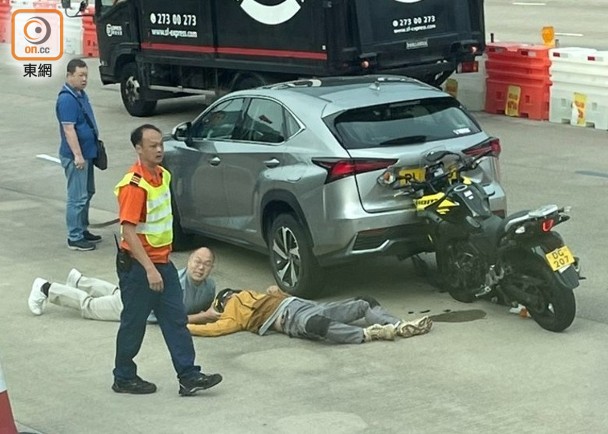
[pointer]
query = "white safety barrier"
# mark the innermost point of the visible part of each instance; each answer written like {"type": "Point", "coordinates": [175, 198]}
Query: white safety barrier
{"type": "Point", "coordinates": [469, 88]}
{"type": "Point", "coordinates": [579, 94]}
{"type": "Point", "coordinates": [72, 31]}
{"type": "Point", "coordinates": [21, 4]}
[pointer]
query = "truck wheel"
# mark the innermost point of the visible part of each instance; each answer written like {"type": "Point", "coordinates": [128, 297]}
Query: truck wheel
{"type": "Point", "coordinates": [131, 97]}
{"type": "Point", "coordinates": [293, 264]}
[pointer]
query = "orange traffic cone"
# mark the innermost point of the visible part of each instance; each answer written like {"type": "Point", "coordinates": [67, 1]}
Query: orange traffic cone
{"type": "Point", "coordinates": [7, 423]}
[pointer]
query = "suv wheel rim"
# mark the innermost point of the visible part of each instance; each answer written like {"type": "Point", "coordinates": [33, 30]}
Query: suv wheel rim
{"type": "Point", "coordinates": [286, 256]}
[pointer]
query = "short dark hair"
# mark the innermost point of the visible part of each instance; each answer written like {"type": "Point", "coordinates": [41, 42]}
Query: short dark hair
{"type": "Point", "coordinates": [138, 133]}
{"type": "Point", "coordinates": [75, 63]}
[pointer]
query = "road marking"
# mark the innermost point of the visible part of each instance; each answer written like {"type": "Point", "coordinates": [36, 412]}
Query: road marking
{"type": "Point", "coordinates": [592, 173]}
{"type": "Point", "coordinates": [529, 4]}
{"type": "Point", "coordinates": [48, 158]}
{"type": "Point", "coordinates": [578, 35]}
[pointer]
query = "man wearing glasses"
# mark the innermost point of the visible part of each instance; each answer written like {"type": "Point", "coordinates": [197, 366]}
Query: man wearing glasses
{"type": "Point", "coordinates": [100, 300]}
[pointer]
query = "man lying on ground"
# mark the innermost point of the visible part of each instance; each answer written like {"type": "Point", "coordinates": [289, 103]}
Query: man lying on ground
{"type": "Point", "coordinates": [330, 321]}
{"type": "Point", "coordinates": [100, 300]}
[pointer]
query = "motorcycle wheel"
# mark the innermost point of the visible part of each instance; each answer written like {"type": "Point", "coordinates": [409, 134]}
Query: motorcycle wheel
{"type": "Point", "coordinates": [556, 305]}
{"type": "Point", "coordinates": [457, 266]}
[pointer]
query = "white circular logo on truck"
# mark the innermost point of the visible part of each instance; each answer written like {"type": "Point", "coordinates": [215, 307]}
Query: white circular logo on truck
{"type": "Point", "coordinates": [272, 15]}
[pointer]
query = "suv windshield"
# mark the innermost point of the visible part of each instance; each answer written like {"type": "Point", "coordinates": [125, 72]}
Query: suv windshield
{"type": "Point", "coordinates": [403, 123]}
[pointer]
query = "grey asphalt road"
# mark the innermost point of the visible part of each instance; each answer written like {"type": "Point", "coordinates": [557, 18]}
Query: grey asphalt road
{"type": "Point", "coordinates": [576, 23]}
{"type": "Point", "coordinates": [499, 374]}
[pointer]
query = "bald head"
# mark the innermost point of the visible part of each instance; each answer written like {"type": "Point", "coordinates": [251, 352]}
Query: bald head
{"type": "Point", "coordinates": [200, 264]}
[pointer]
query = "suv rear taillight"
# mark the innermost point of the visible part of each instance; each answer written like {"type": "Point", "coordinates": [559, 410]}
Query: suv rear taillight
{"type": "Point", "coordinates": [492, 145]}
{"type": "Point", "coordinates": [342, 168]}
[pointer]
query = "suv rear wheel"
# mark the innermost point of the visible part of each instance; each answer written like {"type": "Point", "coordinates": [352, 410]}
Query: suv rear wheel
{"type": "Point", "coordinates": [295, 268]}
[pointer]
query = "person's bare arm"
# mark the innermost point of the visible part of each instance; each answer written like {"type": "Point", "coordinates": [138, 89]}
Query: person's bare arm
{"type": "Point", "coordinates": [204, 317]}
{"type": "Point", "coordinates": [72, 138]}
{"type": "Point", "coordinates": [155, 280]}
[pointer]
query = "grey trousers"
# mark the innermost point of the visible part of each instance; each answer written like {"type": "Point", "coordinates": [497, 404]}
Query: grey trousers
{"type": "Point", "coordinates": [94, 298]}
{"type": "Point", "coordinates": [338, 316]}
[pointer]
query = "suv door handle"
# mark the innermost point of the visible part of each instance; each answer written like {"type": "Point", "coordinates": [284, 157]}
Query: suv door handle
{"type": "Point", "coordinates": [215, 161]}
{"type": "Point", "coordinates": [273, 162]}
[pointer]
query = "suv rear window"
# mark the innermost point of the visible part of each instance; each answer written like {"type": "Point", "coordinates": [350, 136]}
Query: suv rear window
{"type": "Point", "coordinates": [403, 123]}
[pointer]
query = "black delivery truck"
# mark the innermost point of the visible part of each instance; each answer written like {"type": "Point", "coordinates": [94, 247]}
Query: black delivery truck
{"type": "Point", "coordinates": [161, 49]}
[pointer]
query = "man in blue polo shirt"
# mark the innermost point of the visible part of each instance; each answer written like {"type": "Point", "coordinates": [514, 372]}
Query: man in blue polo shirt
{"type": "Point", "coordinates": [78, 148]}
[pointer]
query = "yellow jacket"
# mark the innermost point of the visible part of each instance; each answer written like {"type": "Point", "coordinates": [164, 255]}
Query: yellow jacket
{"type": "Point", "coordinates": [246, 310]}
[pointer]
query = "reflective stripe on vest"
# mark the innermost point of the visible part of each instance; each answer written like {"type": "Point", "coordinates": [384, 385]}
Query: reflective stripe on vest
{"type": "Point", "coordinates": [158, 227]}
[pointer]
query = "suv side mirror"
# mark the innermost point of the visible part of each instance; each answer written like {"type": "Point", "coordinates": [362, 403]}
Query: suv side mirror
{"type": "Point", "coordinates": [182, 133]}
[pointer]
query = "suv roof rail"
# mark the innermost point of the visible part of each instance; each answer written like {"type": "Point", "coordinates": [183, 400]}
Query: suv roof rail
{"type": "Point", "coordinates": [339, 81]}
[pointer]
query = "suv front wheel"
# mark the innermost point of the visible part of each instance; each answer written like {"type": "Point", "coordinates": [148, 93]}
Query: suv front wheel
{"type": "Point", "coordinates": [294, 266]}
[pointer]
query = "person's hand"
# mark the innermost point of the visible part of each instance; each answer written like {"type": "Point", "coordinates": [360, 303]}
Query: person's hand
{"type": "Point", "coordinates": [155, 280]}
{"type": "Point", "coordinates": [79, 162]}
{"type": "Point", "coordinates": [273, 290]}
{"type": "Point", "coordinates": [210, 315]}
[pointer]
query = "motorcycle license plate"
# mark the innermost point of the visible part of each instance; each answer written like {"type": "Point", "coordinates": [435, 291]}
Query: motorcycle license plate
{"type": "Point", "coordinates": [411, 174]}
{"type": "Point", "coordinates": [560, 258]}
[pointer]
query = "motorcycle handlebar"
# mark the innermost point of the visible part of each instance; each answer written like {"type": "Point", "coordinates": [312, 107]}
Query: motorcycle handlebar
{"type": "Point", "coordinates": [465, 163]}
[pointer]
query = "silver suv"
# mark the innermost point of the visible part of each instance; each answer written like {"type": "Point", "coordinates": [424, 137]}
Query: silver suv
{"type": "Point", "coordinates": [292, 170]}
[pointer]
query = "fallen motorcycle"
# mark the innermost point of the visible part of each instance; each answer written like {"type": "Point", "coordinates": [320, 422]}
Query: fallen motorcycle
{"type": "Point", "coordinates": [519, 259]}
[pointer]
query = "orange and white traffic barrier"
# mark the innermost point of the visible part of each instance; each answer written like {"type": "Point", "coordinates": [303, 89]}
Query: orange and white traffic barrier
{"type": "Point", "coordinates": [469, 88]}
{"type": "Point", "coordinates": [7, 423]}
{"type": "Point", "coordinates": [518, 81]}
{"type": "Point", "coordinates": [89, 34]}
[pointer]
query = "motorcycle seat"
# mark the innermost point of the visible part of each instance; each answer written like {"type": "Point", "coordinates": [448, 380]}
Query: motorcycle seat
{"type": "Point", "coordinates": [509, 218]}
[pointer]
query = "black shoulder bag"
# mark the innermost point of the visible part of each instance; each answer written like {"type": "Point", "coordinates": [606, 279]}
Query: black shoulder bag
{"type": "Point", "coordinates": [101, 161]}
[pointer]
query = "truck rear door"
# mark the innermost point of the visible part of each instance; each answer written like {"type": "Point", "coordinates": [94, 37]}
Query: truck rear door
{"type": "Point", "coordinates": [417, 31]}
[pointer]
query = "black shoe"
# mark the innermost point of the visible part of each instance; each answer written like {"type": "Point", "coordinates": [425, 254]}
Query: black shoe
{"type": "Point", "coordinates": [82, 245]}
{"type": "Point", "coordinates": [200, 382]}
{"type": "Point", "coordinates": [137, 386]}
{"type": "Point", "coordinates": [92, 238]}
